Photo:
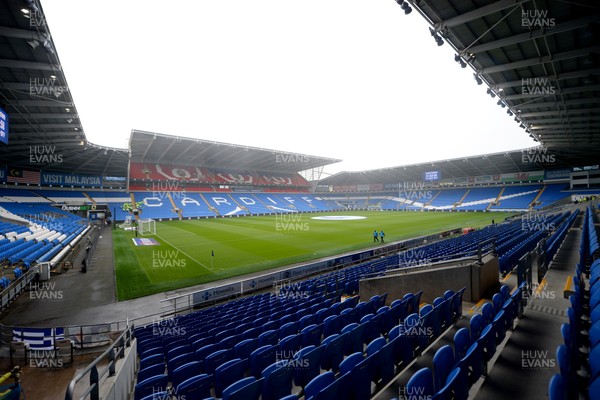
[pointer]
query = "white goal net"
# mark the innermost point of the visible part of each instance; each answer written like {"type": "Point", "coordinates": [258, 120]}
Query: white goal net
{"type": "Point", "coordinates": [147, 227]}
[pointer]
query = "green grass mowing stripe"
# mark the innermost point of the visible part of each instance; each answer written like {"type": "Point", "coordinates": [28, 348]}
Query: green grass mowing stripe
{"type": "Point", "coordinates": [249, 244]}
{"type": "Point", "coordinates": [184, 253]}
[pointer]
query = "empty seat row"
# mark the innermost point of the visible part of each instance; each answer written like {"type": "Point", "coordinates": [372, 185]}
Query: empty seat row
{"type": "Point", "coordinates": [455, 368]}
{"type": "Point", "coordinates": [578, 356]}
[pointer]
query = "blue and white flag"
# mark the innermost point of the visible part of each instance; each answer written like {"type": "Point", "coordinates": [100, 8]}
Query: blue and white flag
{"type": "Point", "coordinates": [38, 338]}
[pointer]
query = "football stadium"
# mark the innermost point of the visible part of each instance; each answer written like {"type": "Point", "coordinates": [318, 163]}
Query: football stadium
{"type": "Point", "coordinates": [181, 267]}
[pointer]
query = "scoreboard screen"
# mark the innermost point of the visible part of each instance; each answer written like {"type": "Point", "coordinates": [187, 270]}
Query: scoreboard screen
{"type": "Point", "coordinates": [3, 126]}
{"type": "Point", "coordinates": [96, 215]}
{"type": "Point", "coordinates": [432, 176]}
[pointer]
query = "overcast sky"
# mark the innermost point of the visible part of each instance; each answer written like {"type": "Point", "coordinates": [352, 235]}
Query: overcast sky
{"type": "Point", "coordinates": [351, 79]}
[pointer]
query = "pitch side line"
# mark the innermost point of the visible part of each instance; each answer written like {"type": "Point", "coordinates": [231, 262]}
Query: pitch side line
{"type": "Point", "coordinates": [187, 255]}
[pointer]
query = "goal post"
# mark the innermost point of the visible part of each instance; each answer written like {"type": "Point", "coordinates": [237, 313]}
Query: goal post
{"type": "Point", "coordinates": [147, 227]}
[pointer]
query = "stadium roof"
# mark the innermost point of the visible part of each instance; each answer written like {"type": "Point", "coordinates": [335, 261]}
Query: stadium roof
{"type": "Point", "coordinates": [540, 59]}
{"type": "Point", "coordinates": [487, 164]}
{"type": "Point", "coordinates": [156, 148]}
{"type": "Point", "coordinates": [541, 62]}
{"type": "Point", "coordinates": [34, 92]}
{"type": "Point", "coordinates": [545, 71]}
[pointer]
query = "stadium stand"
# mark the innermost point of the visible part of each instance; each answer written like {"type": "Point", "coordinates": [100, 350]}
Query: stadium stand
{"type": "Point", "coordinates": [551, 194]}
{"type": "Point", "coordinates": [517, 198]}
{"type": "Point", "coordinates": [275, 337]}
{"type": "Point", "coordinates": [479, 198]}
{"type": "Point", "coordinates": [223, 204]}
{"type": "Point", "coordinates": [63, 196]}
{"type": "Point", "coordinates": [447, 199]}
{"type": "Point", "coordinates": [48, 231]}
{"type": "Point", "coordinates": [180, 175]}
{"type": "Point", "coordinates": [22, 196]}
{"type": "Point", "coordinates": [305, 341]}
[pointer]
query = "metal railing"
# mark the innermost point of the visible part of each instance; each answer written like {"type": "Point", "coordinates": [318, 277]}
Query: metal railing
{"type": "Point", "coordinates": [98, 374]}
{"type": "Point", "coordinates": [16, 287]}
{"type": "Point", "coordinates": [484, 248]}
{"type": "Point", "coordinates": [69, 260]}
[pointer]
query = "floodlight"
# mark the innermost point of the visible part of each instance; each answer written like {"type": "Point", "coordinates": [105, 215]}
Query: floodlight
{"type": "Point", "coordinates": [437, 37]}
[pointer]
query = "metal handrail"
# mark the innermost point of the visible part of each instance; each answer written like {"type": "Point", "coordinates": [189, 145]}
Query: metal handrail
{"type": "Point", "coordinates": [16, 287]}
{"type": "Point", "coordinates": [115, 351]}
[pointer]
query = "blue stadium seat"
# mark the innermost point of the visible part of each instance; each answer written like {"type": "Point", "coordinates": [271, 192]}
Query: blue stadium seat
{"type": "Point", "coordinates": [278, 379]}
{"type": "Point", "coordinates": [332, 325]}
{"type": "Point", "coordinates": [152, 360]}
{"type": "Point", "coordinates": [184, 372]}
{"type": "Point", "coordinates": [261, 358]}
{"type": "Point", "coordinates": [177, 351]}
{"type": "Point", "coordinates": [152, 370]}
{"type": "Point", "coordinates": [567, 372]}
{"type": "Point", "coordinates": [244, 348]}
{"type": "Point", "coordinates": [487, 340]}
{"type": "Point", "coordinates": [385, 358]}
{"type": "Point", "coordinates": [556, 388]}
{"type": "Point", "coordinates": [404, 351]}
{"type": "Point", "coordinates": [197, 387]}
{"type": "Point", "coordinates": [313, 389]}
{"type": "Point", "coordinates": [594, 360]}
{"type": "Point", "coordinates": [164, 395]}
{"type": "Point", "coordinates": [287, 329]}
{"type": "Point", "coordinates": [420, 384]}
{"type": "Point", "coordinates": [487, 312]}
{"type": "Point", "coordinates": [462, 341]}
{"type": "Point", "coordinates": [227, 373]}
{"type": "Point", "coordinates": [360, 378]}
{"type": "Point", "coordinates": [230, 341]}
{"type": "Point", "coordinates": [472, 362]}
{"type": "Point", "coordinates": [499, 326]}
{"type": "Point", "coordinates": [443, 363]}
{"type": "Point", "coordinates": [307, 364]}
{"type": "Point", "coordinates": [371, 328]}
{"type": "Point", "coordinates": [311, 335]}
{"type": "Point", "coordinates": [456, 387]}
{"type": "Point", "coordinates": [151, 385]}
{"type": "Point", "coordinates": [497, 302]}
{"type": "Point", "coordinates": [334, 351]}
{"type": "Point", "coordinates": [268, 337]}
{"type": "Point", "coordinates": [594, 335]}
{"type": "Point", "coordinates": [178, 361]}
{"type": "Point", "coordinates": [354, 341]}
{"type": "Point", "coordinates": [205, 351]}
{"type": "Point", "coordinates": [244, 389]}
{"type": "Point", "coordinates": [476, 326]}
{"type": "Point", "coordinates": [445, 313]}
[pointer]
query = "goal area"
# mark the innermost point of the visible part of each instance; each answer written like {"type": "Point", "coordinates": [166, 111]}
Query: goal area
{"type": "Point", "coordinates": [147, 227]}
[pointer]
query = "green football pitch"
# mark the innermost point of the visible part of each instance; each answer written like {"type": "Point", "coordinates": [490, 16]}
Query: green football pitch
{"type": "Point", "coordinates": [184, 255]}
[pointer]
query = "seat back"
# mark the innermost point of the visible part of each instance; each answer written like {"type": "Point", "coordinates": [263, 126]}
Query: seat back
{"type": "Point", "coordinates": [443, 363]}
